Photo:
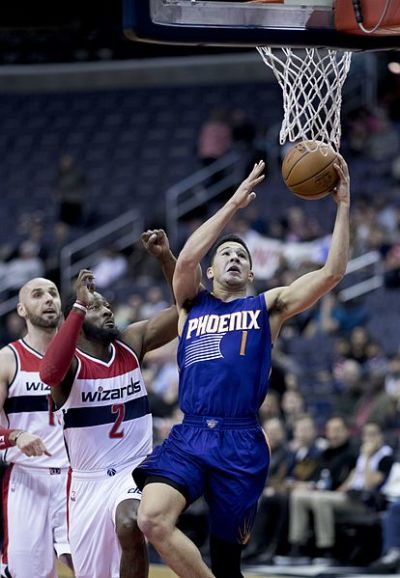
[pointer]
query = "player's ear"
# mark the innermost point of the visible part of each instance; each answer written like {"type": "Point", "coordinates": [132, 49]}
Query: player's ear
{"type": "Point", "coordinates": [251, 276]}
{"type": "Point", "coordinates": [210, 273]}
{"type": "Point", "coordinates": [21, 310]}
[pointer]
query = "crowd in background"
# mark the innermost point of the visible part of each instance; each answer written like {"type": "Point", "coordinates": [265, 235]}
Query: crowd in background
{"type": "Point", "coordinates": [334, 400]}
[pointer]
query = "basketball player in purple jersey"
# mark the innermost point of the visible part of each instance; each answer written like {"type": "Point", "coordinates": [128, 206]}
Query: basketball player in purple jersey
{"type": "Point", "coordinates": [224, 357]}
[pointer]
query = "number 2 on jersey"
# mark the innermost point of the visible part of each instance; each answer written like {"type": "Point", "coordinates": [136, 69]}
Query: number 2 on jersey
{"type": "Point", "coordinates": [119, 409]}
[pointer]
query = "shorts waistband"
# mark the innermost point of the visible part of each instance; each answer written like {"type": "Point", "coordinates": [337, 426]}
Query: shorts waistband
{"type": "Point", "coordinates": [107, 473]}
{"type": "Point", "coordinates": [42, 471]}
{"type": "Point", "coordinates": [217, 423]}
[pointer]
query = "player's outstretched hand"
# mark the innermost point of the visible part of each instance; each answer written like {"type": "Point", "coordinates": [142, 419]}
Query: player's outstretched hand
{"type": "Point", "coordinates": [244, 195]}
{"type": "Point", "coordinates": [155, 241]}
{"type": "Point", "coordinates": [31, 445]}
{"type": "Point", "coordinates": [85, 286]}
{"type": "Point", "coordinates": [341, 192]}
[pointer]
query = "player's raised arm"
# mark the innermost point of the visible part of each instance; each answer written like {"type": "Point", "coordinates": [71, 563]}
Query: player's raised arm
{"type": "Point", "coordinates": [59, 360]}
{"type": "Point", "coordinates": [156, 243]}
{"type": "Point", "coordinates": [284, 302]}
{"type": "Point", "coordinates": [187, 275]}
{"type": "Point", "coordinates": [29, 444]}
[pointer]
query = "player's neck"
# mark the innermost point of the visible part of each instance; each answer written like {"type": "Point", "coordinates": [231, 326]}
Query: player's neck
{"type": "Point", "coordinates": [228, 293]}
{"type": "Point", "coordinates": [96, 349]}
{"type": "Point", "coordinates": [39, 338]}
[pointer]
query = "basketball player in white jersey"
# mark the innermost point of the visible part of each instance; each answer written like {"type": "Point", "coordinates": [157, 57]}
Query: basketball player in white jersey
{"type": "Point", "coordinates": [98, 387]}
{"type": "Point", "coordinates": [35, 482]}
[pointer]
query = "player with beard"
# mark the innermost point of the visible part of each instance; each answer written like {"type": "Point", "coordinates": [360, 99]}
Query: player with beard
{"type": "Point", "coordinates": [34, 490]}
{"type": "Point", "coordinates": [98, 387]}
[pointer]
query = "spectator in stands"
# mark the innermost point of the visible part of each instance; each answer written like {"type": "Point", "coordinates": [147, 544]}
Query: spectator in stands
{"type": "Point", "coordinates": [270, 530]}
{"type": "Point", "coordinates": [335, 317]}
{"type": "Point", "coordinates": [348, 382]}
{"type": "Point", "coordinates": [154, 302]}
{"type": "Point", "coordinates": [301, 227]}
{"type": "Point", "coordinates": [112, 265]}
{"type": "Point", "coordinates": [359, 493]}
{"type": "Point", "coordinates": [389, 562]}
{"type": "Point", "coordinates": [359, 341]}
{"type": "Point", "coordinates": [293, 406]}
{"type": "Point", "coordinates": [215, 138]}
{"type": "Point", "coordinates": [335, 464]}
{"type": "Point", "coordinates": [70, 190]}
{"type": "Point", "coordinates": [14, 328]}
{"type": "Point", "coordinates": [392, 267]}
{"type": "Point", "coordinates": [375, 404]}
{"type": "Point", "coordinates": [25, 266]}
{"type": "Point", "coordinates": [269, 525]}
{"type": "Point", "coordinates": [270, 407]}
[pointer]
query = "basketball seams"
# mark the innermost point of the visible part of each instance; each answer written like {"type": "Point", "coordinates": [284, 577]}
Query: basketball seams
{"type": "Point", "coordinates": [314, 176]}
{"type": "Point", "coordinates": [294, 165]}
{"type": "Point", "coordinates": [316, 173]}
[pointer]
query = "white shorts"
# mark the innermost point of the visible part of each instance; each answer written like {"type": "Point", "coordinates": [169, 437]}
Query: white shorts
{"type": "Point", "coordinates": [35, 521]}
{"type": "Point", "coordinates": [93, 501]}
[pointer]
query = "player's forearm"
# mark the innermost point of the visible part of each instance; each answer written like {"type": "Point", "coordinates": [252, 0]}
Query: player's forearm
{"type": "Point", "coordinates": [338, 256]}
{"type": "Point", "coordinates": [8, 437]}
{"type": "Point", "coordinates": [60, 353]}
{"type": "Point", "coordinates": [201, 241]}
{"type": "Point", "coordinates": [168, 263]}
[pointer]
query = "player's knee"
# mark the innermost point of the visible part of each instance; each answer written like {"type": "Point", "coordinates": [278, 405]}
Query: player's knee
{"type": "Point", "coordinates": [127, 528]}
{"type": "Point", "coordinates": [153, 525]}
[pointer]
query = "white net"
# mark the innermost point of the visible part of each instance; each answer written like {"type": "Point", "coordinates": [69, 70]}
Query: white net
{"type": "Point", "coordinates": [311, 80]}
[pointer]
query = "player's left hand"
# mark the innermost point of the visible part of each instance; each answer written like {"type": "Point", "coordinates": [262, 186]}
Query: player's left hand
{"type": "Point", "coordinates": [155, 241]}
{"type": "Point", "coordinates": [341, 193]}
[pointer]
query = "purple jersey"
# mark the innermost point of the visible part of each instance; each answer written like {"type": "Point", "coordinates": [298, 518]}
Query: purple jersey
{"type": "Point", "coordinates": [224, 356]}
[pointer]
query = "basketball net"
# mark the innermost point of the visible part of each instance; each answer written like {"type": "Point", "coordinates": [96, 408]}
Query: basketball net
{"type": "Point", "coordinates": [311, 82]}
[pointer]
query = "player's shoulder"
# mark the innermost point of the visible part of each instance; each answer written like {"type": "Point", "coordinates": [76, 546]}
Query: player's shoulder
{"type": "Point", "coordinates": [7, 352]}
{"type": "Point", "coordinates": [8, 362]}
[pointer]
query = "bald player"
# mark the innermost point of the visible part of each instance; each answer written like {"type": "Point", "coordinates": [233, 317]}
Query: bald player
{"type": "Point", "coordinates": [35, 482]}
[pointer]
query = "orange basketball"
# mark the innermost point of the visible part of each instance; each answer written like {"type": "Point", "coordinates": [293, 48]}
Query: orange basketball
{"type": "Point", "coordinates": [308, 169]}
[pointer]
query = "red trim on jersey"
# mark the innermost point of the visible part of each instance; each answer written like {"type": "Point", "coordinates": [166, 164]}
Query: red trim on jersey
{"type": "Point", "coordinates": [122, 361]}
{"type": "Point", "coordinates": [29, 359]}
{"type": "Point", "coordinates": [5, 492]}
{"type": "Point", "coordinates": [59, 355]}
{"type": "Point", "coordinates": [69, 482]}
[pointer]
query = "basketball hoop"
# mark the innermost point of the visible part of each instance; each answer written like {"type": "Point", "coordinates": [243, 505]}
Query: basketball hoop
{"type": "Point", "coordinates": [311, 82]}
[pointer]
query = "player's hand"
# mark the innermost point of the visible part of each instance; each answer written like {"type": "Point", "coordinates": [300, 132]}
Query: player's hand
{"type": "Point", "coordinates": [31, 445]}
{"type": "Point", "coordinates": [244, 195]}
{"type": "Point", "coordinates": [341, 193]}
{"type": "Point", "coordinates": [155, 241]}
{"type": "Point", "coordinates": [85, 286]}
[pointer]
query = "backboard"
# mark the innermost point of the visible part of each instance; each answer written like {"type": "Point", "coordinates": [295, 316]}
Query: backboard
{"type": "Point", "coordinates": [295, 23]}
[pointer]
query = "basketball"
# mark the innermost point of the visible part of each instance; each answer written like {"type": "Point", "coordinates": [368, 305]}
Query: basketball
{"type": "Point", "coordinates": [308, 169]}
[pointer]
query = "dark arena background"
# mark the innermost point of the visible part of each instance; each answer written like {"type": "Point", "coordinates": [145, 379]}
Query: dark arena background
{"type": "Point", "coordinates": [102, 137]}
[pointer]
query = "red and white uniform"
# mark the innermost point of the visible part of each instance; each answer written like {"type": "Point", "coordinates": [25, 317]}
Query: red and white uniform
{"type": "Point", "coordinates": [34, 489]}
{"type": "Point", "coordinates": [108, 432]}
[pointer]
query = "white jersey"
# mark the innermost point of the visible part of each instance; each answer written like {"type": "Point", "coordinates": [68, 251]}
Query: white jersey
{"type": "Point", "coordinates": [107, 420]}
{"type": "Point", "coordinates": [29, 407]}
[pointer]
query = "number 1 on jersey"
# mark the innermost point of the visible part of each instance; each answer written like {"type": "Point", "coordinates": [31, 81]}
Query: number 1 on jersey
{"type": "Point", "coordinates": [119, 409]}
{"type": "Point", "coordinates": [243, 343]}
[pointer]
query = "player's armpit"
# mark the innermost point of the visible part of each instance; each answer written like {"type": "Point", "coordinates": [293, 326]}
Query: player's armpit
{"type": "Point", "coordinates": [145, 336]}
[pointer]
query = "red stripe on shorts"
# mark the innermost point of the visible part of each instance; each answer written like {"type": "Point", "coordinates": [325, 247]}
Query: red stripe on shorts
{"type": "Point", "coordinates": [69, 482]}
{"type": "Point", "coordinates": [5, 492]}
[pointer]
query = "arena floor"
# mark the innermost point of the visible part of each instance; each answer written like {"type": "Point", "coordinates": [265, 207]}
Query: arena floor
{"type": "Point", "coordinates": [157, 571]}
